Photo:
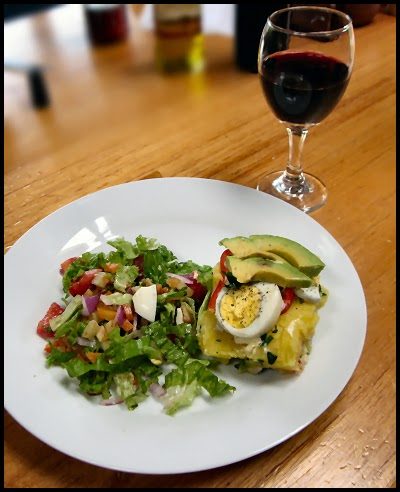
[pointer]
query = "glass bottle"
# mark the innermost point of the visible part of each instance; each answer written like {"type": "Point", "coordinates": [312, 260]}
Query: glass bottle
{"type": "Point", "coordinates": [106, 23]}
{"type": "Point", "coordinates": [179, 43]}
{"type": "Point", "coordinates": [250, 19]}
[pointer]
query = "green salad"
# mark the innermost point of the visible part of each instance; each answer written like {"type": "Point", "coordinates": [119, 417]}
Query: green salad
{"type": "Point", "coordinates": [126, 327]}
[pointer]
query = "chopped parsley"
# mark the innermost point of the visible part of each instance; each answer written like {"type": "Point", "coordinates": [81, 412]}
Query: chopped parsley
{"type": "Point", "coordinates": [265, 339]}
{"type": "Point", "coordinates": [271, 358]}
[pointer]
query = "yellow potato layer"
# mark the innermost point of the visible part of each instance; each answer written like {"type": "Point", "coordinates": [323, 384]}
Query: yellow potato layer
{"type": "Point", "coordinates": [290, 343]}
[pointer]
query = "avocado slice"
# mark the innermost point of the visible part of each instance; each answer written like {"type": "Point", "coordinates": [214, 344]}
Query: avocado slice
{"type": "Point", "coordinates": [263, 245]}
{"type": "Point", "coordinates": [262, 269]}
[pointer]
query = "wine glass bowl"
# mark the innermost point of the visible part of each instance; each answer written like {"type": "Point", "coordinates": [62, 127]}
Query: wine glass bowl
{"type": "Point", "coordinates": [305, 61]}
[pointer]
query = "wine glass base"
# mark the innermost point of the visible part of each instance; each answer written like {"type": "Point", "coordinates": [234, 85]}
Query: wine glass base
{"type": "Point", "coordinates": [307, 196]}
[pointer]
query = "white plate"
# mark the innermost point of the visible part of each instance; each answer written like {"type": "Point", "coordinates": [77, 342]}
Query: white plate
{"type": "Point", "coordinates": [189, 216]}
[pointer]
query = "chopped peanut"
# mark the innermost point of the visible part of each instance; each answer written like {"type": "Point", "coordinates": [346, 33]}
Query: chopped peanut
{"type": "Point", "coordinates": [175, 283]}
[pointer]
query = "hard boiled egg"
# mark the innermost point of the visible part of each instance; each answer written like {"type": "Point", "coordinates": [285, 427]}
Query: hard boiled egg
{"type": "Point", "coordinates": [249, 311]}
{"type": "Point", "coordinates": [145, 302]}
{"type": "Point", "coordinates": [309, 294]}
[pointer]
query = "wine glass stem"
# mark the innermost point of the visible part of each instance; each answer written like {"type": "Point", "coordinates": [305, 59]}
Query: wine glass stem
{"type": "Point", "coordinates": [293, 175]}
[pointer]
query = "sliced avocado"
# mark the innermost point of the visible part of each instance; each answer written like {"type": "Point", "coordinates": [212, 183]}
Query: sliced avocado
{"type": "Point", "coordinates": [263, 245]}
{"type": "Point", "coordinates": [261, 269]}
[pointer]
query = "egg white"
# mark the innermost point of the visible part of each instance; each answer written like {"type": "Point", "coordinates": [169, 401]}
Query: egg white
{"type": "Point", "coordinates": [309, 294]}
{"type": "Point", "coordinates": [270, 308]}
{"type": "Point", "coordinates": [145, 302]}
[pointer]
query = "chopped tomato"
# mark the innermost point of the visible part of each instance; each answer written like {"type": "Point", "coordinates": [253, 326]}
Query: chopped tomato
{"type": "Point", "coordinates": [65, 264]}
{"type": "Point", "coordinates": [222, 265]}
{"type": "Point", "coordinates": [287, 298]}
{"type": "Point", "coordinates": [199, 290]}
{"type": "Point", "coordinates": [214, 295]}
{"type": "Point", "coordinates": [81, 285]}
{"type": "Point", "coordinates": [43, 327]}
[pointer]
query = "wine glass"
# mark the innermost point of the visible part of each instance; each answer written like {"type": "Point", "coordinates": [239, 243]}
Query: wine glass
{"type": "Point", "coordinates": [305, 61]}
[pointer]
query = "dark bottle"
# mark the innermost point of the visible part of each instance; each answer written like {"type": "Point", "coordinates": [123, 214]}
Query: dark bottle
{"type": "Point", "coordinates": [250, 19]}
{"type": "Point", "coordinates": [106, 23]}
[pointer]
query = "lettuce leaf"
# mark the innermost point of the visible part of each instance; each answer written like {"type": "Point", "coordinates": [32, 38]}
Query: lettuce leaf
{"type": "Point", "coordinates": [172, 294]}
{"type": "Point", "coordinates": [125, 276]}
{"type": "Point", "coordinates": [119, 352]}
{"type": "Point", "coordinates": [145, 244]}
{"type": "Point", "coordinates": [116, 298]}
{"type": "Point", "coordinates": [185, 337]}
{"type": "Point", "coordinates": [73, 308]}
{"type": "Point", "coordinates": [183, 384]}
{"type": "Point", "coordinates": [125, 248]}
{"type": "Point", "coordinates": [156, 263]}
{"type": "Point", "coordinates": [198, 370]}
{"type": "Point", "coordinates": [171, 352]}
{"type": "Point", "coordinates": [58, 357]}
{"type": "Point", "coordinates": [180, 396]}
{"type": "Point", "coordinates": [96, 383]}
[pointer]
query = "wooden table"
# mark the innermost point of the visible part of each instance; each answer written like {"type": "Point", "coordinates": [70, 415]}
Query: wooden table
{"type": "Point", "coordinates": [114, 119]}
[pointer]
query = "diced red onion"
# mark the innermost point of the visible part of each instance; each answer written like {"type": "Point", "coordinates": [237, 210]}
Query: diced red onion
{"type": "Point", "coordinates": [120, 316]}
{"type": "Point", "coordinates": [156, 390]}
{"type": "Point", "coordinates": [183, 279]}
{"type": "Point", "coordinates": [113, 400]}
{"type": "Point", "coordinates": [85, 342]}
{"type": "Point", "coordinates": [89, 304]}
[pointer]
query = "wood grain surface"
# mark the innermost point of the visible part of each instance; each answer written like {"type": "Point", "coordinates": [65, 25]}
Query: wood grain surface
{"type": "Point", "coordinates": [114, 119]}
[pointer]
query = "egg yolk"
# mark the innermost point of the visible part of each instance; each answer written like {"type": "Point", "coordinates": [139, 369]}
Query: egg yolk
{"type": "Point", "coordinates": [240, 307]}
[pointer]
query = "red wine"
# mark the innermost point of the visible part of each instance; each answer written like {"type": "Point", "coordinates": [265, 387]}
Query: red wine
{"type": "Point", "coordinates": [303, 87]}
